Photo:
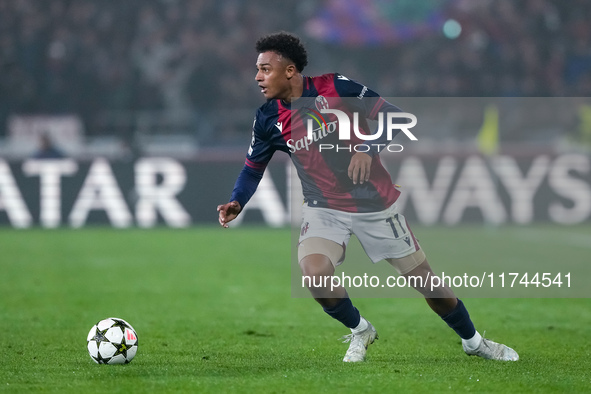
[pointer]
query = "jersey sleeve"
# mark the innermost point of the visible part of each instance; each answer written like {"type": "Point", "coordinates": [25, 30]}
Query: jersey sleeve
{"type": "Point", "coordinates": [369, 103]}
{"type": "Point", "coordinates": [259, 154]}
{"type": "Point", "coordinates": [261, 147]}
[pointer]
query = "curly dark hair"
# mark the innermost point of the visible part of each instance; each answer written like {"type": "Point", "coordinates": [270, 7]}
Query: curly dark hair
{"type": "Point", "coordinates": [287, 45]}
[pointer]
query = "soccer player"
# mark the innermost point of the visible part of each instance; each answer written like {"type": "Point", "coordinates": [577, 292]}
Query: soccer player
{"type": "Point", "coordinates": [345, 192]}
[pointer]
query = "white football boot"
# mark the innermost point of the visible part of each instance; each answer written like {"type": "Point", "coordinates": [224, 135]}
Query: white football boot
{"type": "Point", "coordinates": [492, 351]}
{"type": "Point", "coordinates": [359, 343]}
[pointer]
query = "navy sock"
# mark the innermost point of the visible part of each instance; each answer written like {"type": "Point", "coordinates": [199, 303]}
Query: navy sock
{"type": "Point", "coordinates": [459, 320]}
{"type": "Point", "coordinates": [345, 312]}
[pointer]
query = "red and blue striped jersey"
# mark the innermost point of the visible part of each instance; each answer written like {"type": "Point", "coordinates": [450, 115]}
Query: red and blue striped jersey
{"type": "Point", "coordinates": [283, 126]}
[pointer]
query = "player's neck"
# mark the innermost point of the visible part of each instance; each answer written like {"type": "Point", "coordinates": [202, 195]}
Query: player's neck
{"type": "Point", "coordinates": [297, 88]}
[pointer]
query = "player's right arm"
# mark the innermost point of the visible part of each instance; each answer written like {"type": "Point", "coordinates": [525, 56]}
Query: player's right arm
{"type": "Point", "coordinates": [228, 212]}
{"type": "Point", "coordinates": [244, 188]}
{"type": "Point", "coordinates": [259, 155]}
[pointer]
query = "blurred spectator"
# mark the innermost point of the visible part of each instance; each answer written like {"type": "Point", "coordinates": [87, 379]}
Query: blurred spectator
{"type": "Point", "coordinates": [101, 59]}
{"type": "Point", "coordinates": [47, 149]}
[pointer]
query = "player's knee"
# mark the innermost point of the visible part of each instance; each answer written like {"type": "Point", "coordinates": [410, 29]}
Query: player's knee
{"type": "Point", "coordinates": [316, 265]}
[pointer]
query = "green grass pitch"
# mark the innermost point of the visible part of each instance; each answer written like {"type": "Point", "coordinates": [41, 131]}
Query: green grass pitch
{"type": "Point", "coordinates": [214, 313]}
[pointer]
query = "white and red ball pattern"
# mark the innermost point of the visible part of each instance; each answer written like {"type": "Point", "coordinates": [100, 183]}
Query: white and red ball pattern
{"type": "Point", "coordinates": [112, 341]}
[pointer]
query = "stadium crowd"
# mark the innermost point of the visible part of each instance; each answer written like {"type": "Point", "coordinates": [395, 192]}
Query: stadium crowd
{"type": "Point", "coordinates": [87, 57]}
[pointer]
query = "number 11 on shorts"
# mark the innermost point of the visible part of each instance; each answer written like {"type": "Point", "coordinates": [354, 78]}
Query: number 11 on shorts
{"type": "Point", "coordinates": [396, 225]}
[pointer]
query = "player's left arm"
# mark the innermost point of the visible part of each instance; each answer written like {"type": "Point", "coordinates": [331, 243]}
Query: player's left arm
{"type": "Point", "coordinates": [369, 104]}
{"type": "Point", "coordinates": [360, 167]}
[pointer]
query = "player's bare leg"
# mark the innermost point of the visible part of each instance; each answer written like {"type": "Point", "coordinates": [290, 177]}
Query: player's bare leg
{"type": "Point", "coordinates": [440, 298]}
{"type": "Point", "coordinates": [442, 301]}
{"type": "Point", "coordinates": [319, 269]}
{"type": "Point", "coordinates": [335, 302]}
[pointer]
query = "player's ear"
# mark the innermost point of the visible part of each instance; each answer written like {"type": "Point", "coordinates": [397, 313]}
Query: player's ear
{"type": "Point", "coordinates": [290, 71]}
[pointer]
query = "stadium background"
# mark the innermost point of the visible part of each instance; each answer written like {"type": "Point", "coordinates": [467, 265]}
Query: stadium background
{"type": "Point", "coordinates": [128, 81]}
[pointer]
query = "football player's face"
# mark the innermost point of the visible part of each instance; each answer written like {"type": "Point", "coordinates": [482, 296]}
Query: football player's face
{"type": "Point", "coordinates": [273, 75]}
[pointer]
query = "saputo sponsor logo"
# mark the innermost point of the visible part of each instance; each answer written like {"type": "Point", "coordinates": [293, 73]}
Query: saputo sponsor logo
{"type": "Point", "coordinates": [315, 134]}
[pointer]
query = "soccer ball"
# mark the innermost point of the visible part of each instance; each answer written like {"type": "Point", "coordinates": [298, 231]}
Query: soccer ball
{"type": "Point", "coordinates": [112, 341]}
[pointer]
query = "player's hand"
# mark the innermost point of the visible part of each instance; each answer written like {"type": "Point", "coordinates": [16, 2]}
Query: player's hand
{"type": "Point", "coordinates": [359, 167]}
{"type": "Point", "coordinates": [228, 212]}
